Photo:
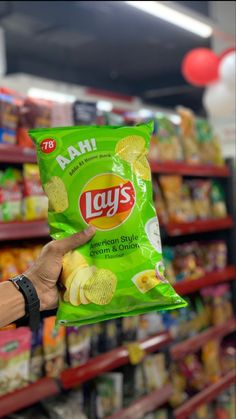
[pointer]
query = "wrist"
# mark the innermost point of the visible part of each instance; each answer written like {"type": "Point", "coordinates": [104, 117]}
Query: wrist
{"type": "Point", "coordinates": [32, 302]}
{"type": "Point", "coordinates": [38, 288]}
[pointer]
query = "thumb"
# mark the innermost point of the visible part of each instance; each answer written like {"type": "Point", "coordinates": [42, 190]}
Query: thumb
{"type": "Point", "coordinates": [76, 240]}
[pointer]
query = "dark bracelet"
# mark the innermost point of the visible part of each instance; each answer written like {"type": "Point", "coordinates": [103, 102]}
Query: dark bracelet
{"type": "Point", "coordinates": [32, 303]}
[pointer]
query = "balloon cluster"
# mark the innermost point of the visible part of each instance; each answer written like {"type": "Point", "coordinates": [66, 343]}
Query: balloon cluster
{"type": "Point", "coordinates": [202, 67]}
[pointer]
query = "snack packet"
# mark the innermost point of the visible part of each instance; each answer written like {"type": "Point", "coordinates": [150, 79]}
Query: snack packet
{"type": "Point", "coordinates": [101, 176]}
{"type": "Point", "coordinates": [35, 201]}
{"type": "Point", "coordinates": [209, 145]}
{"type": "Point", "coordinates": [36, 358]}
{"type": "Point", "coordinates": [169, 147]}
{"type": "Point", "coordinates": [188, 135]}
{"type": "Point", "coordinates": [78, 344]}
{"type": "Point", "coordinates": [178, 200]}
{"type": "Point", "coordinates": [200, 191]}
{"type": "Point", "coordinates": [8, 264]}
{"type": "Point", "coordinates": [11, 195]}
{"type": "Point", "coordinates": [54, 347]}
{"type": "Point", "coordinates": [218, 205]}
{"type": "Point", "coordinates": [14, 359]}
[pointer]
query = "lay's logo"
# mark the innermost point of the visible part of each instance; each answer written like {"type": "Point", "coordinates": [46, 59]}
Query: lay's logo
{"type": "Point", "coordinates": [106, 201]}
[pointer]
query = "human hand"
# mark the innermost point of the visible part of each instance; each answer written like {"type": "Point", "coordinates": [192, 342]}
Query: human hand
{"type": "Point", "coordinates": [45, 272]}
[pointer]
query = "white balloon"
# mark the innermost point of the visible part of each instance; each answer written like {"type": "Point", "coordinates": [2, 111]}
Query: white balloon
{"type": "Point", "coordinates": [227, 69]}
{"type": "Point", "coordinates": [219, 100]}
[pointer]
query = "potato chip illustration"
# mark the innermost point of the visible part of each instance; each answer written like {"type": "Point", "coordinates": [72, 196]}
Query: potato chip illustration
{"type": "Point", "coordinates": [83, 299]}
{"type": "Point", "coordinates": [80, 276]}
{"type": "Point", "coordinates": [100, 287]}
{"type": "Point", "coordinates": [146, 280]}
{"type": "Point", "coordinates": [57, 194]}
{"type": "Point", "coordinates": [71, 261]}
{"type": "Point", "coordinates": [67, 284]}
{"type": "Point", "coordinates": [129, 148]}
{"type": "Point", "coordinates": [141, 168]}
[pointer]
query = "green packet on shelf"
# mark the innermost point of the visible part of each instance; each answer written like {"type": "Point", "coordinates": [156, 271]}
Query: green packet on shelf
{"type": "Point", "coordinates": [100, 175]}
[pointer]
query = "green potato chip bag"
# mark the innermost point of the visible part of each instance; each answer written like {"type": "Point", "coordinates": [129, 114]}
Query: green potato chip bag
{"type": "Point", "coordinates": [100, 175]}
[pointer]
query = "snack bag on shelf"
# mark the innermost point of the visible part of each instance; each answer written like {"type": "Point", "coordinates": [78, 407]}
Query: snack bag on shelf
{"type": "Point", "coordinates": [35, 200]}
{"type": "Point", "coordinates": [33, 114]}
{"type": "Point", "coordinates": [111, 334]}
{"type": "Point", "coordinates": [64, 406]}
{"type": "Point", "coordinates": [188, 135]}
{"type": "Point", "coordinates": [187, 206]}
{"type": "Point", "coordinates": [200, 191]}
{"type": "Point", "coordinates": [97, 334]}
{"type": "Point", "coordinates": [209, 145]}
{"type": "Point", "coordinates": [14, 359]}
{"type": "Point", "coordinates": [11, 195]}
{"type": "Point", "coordinates": [78, 343]}
{"type": "Point", "coordinates": [151, 373]}
{"type": "Point", "coordinates": [218, 249]}
{"type": "Point", "coordinates": [186, 263]}
{"type": "Point", "coordinates": [218, 205]}
{"type": "Point", "coordinates": [168, 143]}
{"type": "Point", "coordinates": [8, 264]}
{"type": "Point", "coordinates": [177, 197]}
{"type": "Point", "coordinates": [24, 258]}
{"type": "Point", "coordinates": [159, 203]}
{"type": "Point", "coordinates": [211, 361]}
{"type": "Point", "coordinates": [154, 151]}
{"type": "Point", "coordinates": [9, 117]}
{"type": "Point", "coordinates": [168, 255]}
{"type": "Point", "coordinates": [101, 176]}
{"type": "Point", "coordinates": [54, 347]}
{"type": "Point", "coordinates": [36, 358]}
{"type": "Point", "coordinates": [193, 371]}
{"type": "Point", "coordinates": [109, 394]}
{"type": "Point", "coordinates": [129, 328]}
{"type": "Point", "coordinates": [179, 383]}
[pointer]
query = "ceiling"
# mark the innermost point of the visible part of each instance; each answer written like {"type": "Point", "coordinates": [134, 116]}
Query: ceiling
{"type": "Point", "coordinates": [104, 44]}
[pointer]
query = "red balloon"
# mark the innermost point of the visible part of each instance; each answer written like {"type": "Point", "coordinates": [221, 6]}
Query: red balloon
{"type": "Point", "coordinates": [200, 66]}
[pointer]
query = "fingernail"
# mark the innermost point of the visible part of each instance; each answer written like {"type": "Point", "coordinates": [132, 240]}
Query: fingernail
{"type": "Point", "coordinates": [90, 230]}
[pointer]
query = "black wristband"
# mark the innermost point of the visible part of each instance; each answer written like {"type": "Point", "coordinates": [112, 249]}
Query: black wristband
{"type": "Point", "coordinates": [32, 303]}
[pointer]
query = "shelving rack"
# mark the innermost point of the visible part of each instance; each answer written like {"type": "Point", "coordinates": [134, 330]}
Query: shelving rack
{"type": "Point", "coordinates": [45, 387]}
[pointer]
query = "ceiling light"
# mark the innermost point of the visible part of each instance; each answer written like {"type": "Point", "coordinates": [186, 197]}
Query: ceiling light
{"type": "Point", "coordinates": [104, 106]}
{"type": "Point", "coordinates": [37, 93]}
{"type": "Point", "coordinates": [179, 18]}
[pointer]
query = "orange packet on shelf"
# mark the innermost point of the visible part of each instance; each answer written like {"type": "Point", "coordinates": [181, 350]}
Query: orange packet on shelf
{"type": "Point", "coordinates": [54, 347]}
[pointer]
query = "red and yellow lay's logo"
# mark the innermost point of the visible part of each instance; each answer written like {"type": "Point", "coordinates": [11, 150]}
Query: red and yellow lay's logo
{"type": "Point", "coordinates": [106, 201]}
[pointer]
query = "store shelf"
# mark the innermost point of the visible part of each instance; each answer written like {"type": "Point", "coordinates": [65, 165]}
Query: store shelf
{"type": "Point", "coordinates": [193, 344]}
{"type": "Point", "coordinates": [186, 169]}
{"type": "Point", "coordinates": [207, 395]}
{"type": "Point", "coordinates": [23, 230]}
{"type": "Point", "coordinates": [210, 278]}
{"type": "Point", "coordinates": [109, 361]}
{"type": "Point", "coordinates": [15, 154]}
{"type": "Point", "coordinates": [145, 404]}
{"type": "Point", "coordinates": [199, 226]}
{"type": "Point", "coordinates": [27, 396]}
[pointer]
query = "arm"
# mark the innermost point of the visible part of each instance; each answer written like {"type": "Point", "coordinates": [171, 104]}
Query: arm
{"type": "Point", "coordinates": [12, 306]}
{"type": "Point", "coordinates": [44, 275]}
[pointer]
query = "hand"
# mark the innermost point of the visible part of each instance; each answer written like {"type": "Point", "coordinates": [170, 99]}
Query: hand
{"type": "Point", "coordinates": [45, 272]}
